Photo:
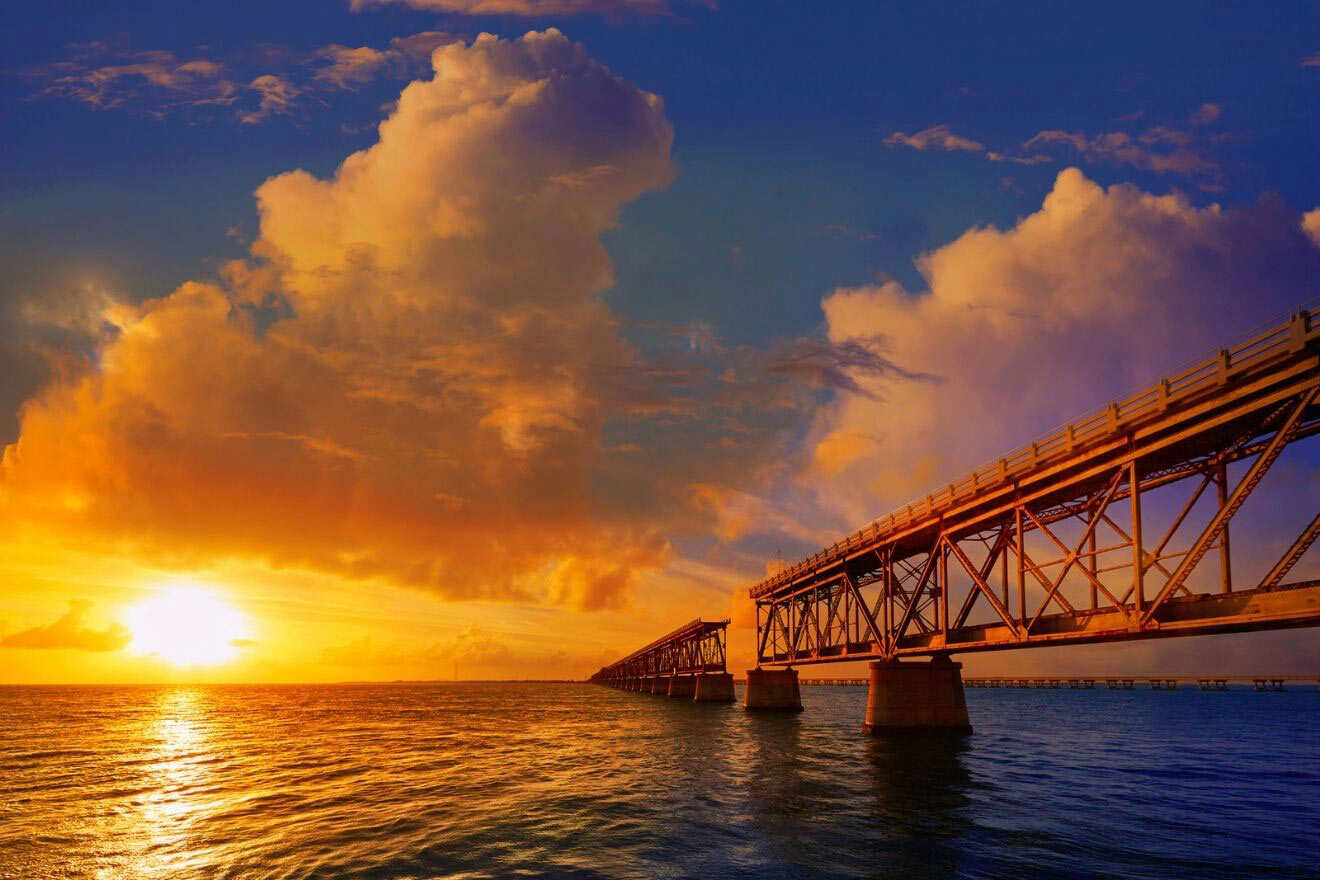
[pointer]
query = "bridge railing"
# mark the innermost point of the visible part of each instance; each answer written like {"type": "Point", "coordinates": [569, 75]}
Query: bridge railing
{"type": "Point", "coordinates": [1266, 346]}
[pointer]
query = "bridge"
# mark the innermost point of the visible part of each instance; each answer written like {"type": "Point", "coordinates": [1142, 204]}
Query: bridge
{"type": "Point", "coordinates": [1056, 543]}
{"type": "Point", "coordinates": [688, 663]}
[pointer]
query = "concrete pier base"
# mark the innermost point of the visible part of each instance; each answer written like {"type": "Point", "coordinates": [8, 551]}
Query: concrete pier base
{"type": "Point", "coordinates": [773, 689]}
{"type": "Point", "coordinates": [916, 696]}
{"type": "Point", "coordinates": [713, 687]}
{"type": "Point", "coordinates": [680, 687]}
{"type": "Point", "coordinates": [660, 685]}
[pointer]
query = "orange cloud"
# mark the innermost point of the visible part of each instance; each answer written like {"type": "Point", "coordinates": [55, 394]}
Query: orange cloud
{"type": "Point", "coordinates": [1311, 223]}
{"type": "Point", "coordinates": [70, 633]}
{"type": "Point", "coordinates": [1025, 323]}
{"type": "Point", "coordinates": [277, 97]}
{"type": "Point", "coordinates": [431, 410]}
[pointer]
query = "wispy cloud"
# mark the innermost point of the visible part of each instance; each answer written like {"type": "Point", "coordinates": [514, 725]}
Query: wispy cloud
{"type": "Point", "coordinates": [1311, 60]}
{"type": "Point", "coordinates": [937, 137]}
{"type": "Point", "coordinates": [71, 633]}
{"type": "Point", "coordinates": [1162, 149]}
{"type": "Point", "coordinates": [250, 85]}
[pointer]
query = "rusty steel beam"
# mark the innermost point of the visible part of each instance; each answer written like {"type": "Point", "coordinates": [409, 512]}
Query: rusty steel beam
{"type": "Point", "coordinates": [887, 591]}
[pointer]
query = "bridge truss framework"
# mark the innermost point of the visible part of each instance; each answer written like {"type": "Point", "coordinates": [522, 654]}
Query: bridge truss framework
{"type": "Point", "coordinates": [1050, 544]}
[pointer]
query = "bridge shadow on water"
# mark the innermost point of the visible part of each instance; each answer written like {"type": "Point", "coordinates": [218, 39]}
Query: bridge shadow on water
{"type": "Point", "coordinates": [919, 785]}
{"type": "Point", "coordinates": [897, 806]}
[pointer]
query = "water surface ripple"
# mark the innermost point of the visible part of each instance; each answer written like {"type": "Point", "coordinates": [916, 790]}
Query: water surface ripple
{"type": "Point", "coordinates": [580, 781]}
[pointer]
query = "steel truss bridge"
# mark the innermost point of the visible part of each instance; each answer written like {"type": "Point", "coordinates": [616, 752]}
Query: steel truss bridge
{"type": "Point", "coordinates": [696, 648]}
{"type": "Point", "coordinates": [1056, 543]}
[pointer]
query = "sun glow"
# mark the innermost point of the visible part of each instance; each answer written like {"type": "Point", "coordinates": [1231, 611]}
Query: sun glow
{"type": "Point", "coordinates": [187, 626]}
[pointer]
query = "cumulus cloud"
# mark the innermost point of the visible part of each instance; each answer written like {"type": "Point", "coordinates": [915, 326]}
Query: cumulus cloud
{"type": "Point", "coordinates": [937, 137]}
{"type": "Point", "coordinates": [69, 632]}
{"type": "Point", "coordinates": [1026, 325]}
{"type": "Point", "coordinates": [431, 407]}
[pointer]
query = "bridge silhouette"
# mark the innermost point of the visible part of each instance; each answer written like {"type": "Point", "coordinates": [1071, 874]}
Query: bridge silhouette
{"type": "Point", "coordinates": [1052, 544]}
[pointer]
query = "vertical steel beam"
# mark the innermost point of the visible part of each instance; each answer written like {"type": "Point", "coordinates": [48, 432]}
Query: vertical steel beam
{"type": "Point", "coordinates": [1138, 562]}
{"type": "Point", "coordinates": [1091, 557]}
{"type": "Point", "coordinates": [944, 588]}
{"type": "Point", "coordinates": [887, 600]}
{"type": "Point", "coordinates": [1225, 559]}
{"type": "Point", "coordinates": [1003, 563]}
{"type": "Point", "coordinates": [1021, 563]}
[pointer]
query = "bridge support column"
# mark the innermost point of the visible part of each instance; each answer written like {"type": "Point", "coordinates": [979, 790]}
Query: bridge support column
{"type": "Point", "coordinates": [773, 689]}
{"type": "Point", "coordinates": [660, 684]}
{"type": "Point", "coordinates": [680, 687]}
{"type": "Point", "coordinates": [713, 687]}
{"type": "Point", "coordinates": [916, 696]}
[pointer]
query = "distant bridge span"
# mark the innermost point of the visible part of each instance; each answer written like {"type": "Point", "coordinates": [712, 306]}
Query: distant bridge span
{"type": "Point", "coordinates": [1049, 545]}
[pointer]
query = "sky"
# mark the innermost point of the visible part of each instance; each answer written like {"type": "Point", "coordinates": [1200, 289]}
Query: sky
{"type": "Point", "coordinates": [495, 338]}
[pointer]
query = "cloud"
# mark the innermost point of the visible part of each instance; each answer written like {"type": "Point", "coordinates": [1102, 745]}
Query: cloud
{"type": "Point", "coordinates": [1163, 149]}
{"type": "Point", "coordinates": [69, 632]}
{"type": "Point", "coordinates": [1028, 325]}
{"type": "Point", "coordinates": [528, 7]}
{"type": "Point", "coordinates": [1160, 149]}
{"type": "Point", "coordinates": [350, 67]}
{"type": "Point", "coordinates": [1311, 60]}
{"type": "Point", "coordinates": [97, 75]}
{"type": "Point", "coordinates": [277, 97]}
{"type": "Point", "coordinates": [937, 137]}
{"type": "Point", "coordinates": [250, 85]}
{"type": "Point", "coordinates": [430, 407]}
{"type": "Point", "coordinates": [1311, 224]}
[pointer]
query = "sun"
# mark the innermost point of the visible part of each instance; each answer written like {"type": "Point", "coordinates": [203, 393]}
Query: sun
{"type": "Point", "coordinates": [187, 626]}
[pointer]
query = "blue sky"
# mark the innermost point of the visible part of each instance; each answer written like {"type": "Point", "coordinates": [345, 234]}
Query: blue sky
{"type": "Point", "coordinates": [829, 164]}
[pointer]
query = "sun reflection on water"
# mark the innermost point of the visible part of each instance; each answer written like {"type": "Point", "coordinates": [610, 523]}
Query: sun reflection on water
{"type": "Point", "coordinates": [178, 747]}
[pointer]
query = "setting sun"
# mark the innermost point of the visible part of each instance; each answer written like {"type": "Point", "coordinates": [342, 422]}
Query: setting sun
{"type": "Point", "coordinates": [187, 626]}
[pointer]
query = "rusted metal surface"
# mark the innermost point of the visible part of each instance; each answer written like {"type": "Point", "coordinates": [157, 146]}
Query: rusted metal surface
{"type": "Point", "coordinates": [694, 648]}
{"type": "Point", "coordinates": [1054, 543]}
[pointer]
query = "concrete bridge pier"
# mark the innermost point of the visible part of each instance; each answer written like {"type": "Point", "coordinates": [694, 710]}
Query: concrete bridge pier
{"type": "Point", "coordinates": [681, 687]}
{"type": "Point", "coordinates": [713, 687]}
{"type": "Point", "coordinates": [916, 696]}
{"type": "Point", "coordinates": [660, 685]}
{"type": "Point", "coordinates": [773, 689]}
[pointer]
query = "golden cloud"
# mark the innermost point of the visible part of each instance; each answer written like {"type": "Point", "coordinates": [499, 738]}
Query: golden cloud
{"type": "Point", "coordinates": [427, 410]}
{"type": "Point", "coordinates": [69, 632]}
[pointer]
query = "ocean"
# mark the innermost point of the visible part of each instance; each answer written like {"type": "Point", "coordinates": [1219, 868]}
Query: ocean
{"type": "Point", "coordinates": [582, 781]}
